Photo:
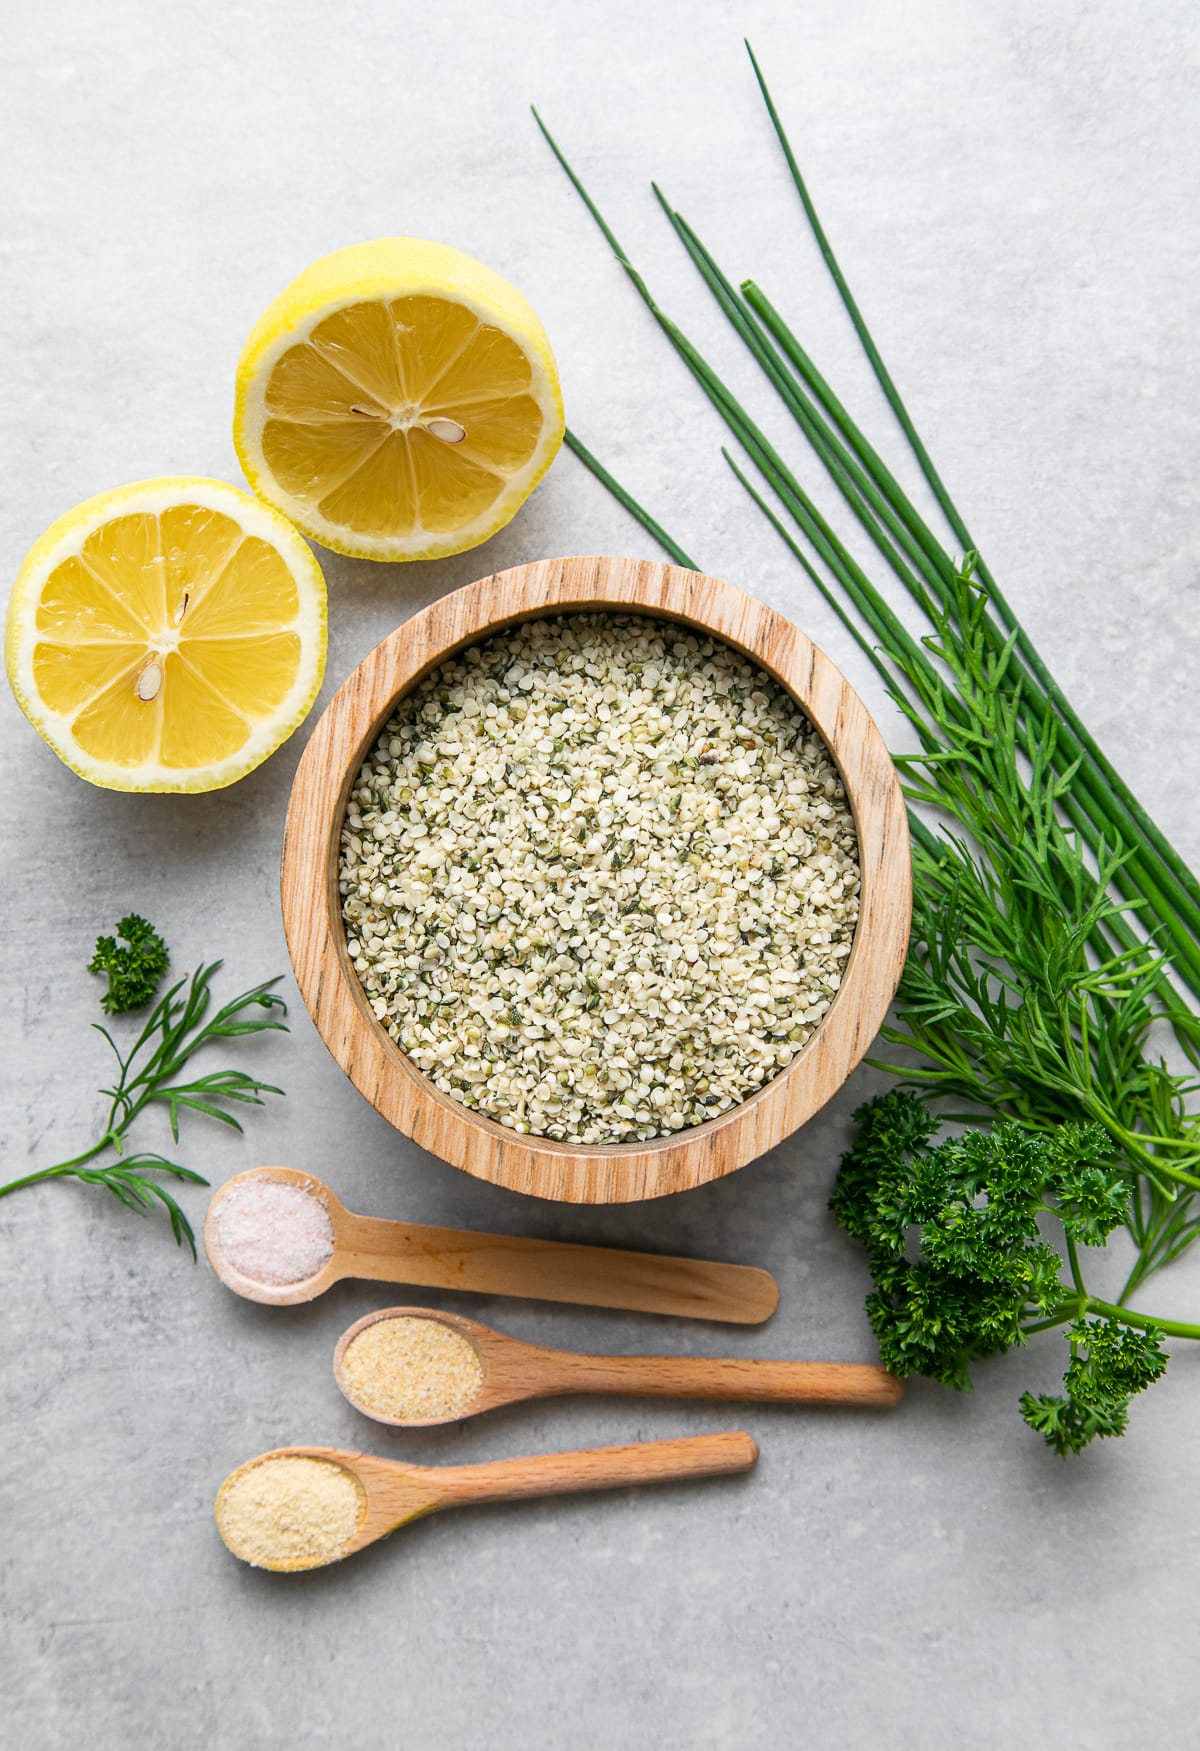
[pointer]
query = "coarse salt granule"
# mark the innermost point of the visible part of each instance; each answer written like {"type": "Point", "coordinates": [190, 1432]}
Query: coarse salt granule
{"type": "Point", "coordinates": [600, 878]}
{"type": "Point", "coordinates": [273, 1233]}
{"type": "Point", "coordinates": [412, 1369]}
{"type": "Point", "coordinates": [289, 1508]}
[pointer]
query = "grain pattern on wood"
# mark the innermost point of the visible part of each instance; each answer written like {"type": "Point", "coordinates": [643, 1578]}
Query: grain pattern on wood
{"type": "Point", "coordinates": [514, 1371]}
{"type": "Point", "coordinates": [394, 1494]}
{"type": "Point", "coordinates": [376, 1065]}
{"type": "Point", "coordinates": [379, 1251]}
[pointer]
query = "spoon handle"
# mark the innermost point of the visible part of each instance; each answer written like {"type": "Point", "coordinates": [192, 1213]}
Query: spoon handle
{"type": "Point", "coordinates": [746, 1378]}
{"type": "Point", "coordinates": [550, 1270]}
{"type": "Point", "coordinates": [597, 1468]}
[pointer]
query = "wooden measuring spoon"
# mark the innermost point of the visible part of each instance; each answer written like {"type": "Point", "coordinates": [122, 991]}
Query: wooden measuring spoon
{"type": "Point", "coordinates": [498, 1264]}
{"type": "Point", "coordinates": [514, 1371]}
{"type": "Point", "coordinates": [391, 1494]}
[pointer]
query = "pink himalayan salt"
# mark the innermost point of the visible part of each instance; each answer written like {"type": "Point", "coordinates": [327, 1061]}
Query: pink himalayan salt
{"type": "Point", "coordinates": [273, 1233]}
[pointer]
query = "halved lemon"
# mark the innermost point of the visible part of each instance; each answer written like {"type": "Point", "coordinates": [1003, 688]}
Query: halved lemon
{"type": "Point", "coordinates": [398, 401]}
{"type": "Point", "coordinates": [167, 636]}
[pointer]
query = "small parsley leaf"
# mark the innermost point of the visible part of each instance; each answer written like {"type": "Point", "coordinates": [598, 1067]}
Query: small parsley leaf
{"type": "Point", "coordinates": [135, 964]}
{"type": "Point", "coordinates": [1109, 1364]}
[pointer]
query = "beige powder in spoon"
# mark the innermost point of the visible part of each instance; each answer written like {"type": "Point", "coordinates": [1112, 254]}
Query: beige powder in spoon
{"type": "Point", "coordinates": [289, 1509]}
{"type": "Point", "coordinates": [412, 1369]}
{"type": "Point", "coordinates": [272, 1232]}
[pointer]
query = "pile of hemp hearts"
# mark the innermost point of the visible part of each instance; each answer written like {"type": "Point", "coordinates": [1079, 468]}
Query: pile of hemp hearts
{"type": "Point", "coordinates": [599, 878]}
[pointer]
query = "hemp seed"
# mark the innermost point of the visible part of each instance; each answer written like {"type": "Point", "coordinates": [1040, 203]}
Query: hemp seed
{"type": "Point", "coordinates": [603, 838]}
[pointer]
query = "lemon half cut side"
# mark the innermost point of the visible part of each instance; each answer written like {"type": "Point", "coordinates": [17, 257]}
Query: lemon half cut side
{"type": "Point", "coordinates": [398, 400]}
{"type": "Point", "coordinates": [167, 636]}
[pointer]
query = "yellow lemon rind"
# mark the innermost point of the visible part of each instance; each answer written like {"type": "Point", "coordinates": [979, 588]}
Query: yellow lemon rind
{"type": "Point", "coordinates": [392, 267]}
{"type": "Point", "coordinates": [66, 536]}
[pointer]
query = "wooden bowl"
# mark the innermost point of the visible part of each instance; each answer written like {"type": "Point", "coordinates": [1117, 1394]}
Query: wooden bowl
{"type": "Point", "coordinates": [576, 1172]}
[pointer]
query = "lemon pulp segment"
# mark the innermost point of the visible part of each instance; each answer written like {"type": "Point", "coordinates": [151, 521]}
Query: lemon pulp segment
{"type": "Point", "coordinates": [171, 644]}
{"type": "Point", "coordinates": [398, 416]}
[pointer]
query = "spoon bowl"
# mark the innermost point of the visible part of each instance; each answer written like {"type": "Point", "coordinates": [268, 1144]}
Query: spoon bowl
{"type": "Point", "coordinates": [493, 1264]}
{"type": "Point", "coordinates": [256, 1288]}
{"type": "Point", "coordinates": [391, 1495]}
{"type": "Point", "coordinates": [513, 1371]}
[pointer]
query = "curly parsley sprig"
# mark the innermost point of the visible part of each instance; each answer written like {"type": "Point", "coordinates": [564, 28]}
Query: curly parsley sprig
{"type": "Point", "coordinates": [157, 1070]}
{"type": "Point", "coordinates": [135, 964]}
{"type": "Point", "coordinates": [963, 1270]}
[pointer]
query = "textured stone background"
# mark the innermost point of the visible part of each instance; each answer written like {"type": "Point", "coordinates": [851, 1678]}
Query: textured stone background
{"type": "Point", "coordinates": [1012, 189]}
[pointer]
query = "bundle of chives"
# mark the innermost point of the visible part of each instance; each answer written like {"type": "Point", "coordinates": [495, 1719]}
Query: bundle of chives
{"type": "Point", "coordinates": [1130, 943]}
{"type": "Point", "coordinates": [1101, 806]}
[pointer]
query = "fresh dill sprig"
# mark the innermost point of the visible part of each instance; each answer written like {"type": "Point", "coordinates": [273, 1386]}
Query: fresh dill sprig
{"type": "Point", "coordinates": [157, 1070]}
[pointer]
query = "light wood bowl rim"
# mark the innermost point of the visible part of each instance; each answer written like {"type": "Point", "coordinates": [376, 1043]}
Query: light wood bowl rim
{"type": "Point", "coordinates": [329, 986]}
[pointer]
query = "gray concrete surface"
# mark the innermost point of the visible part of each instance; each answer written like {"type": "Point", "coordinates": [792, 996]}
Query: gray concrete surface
{"type": "Point", "coordinates": [1012, 188]}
